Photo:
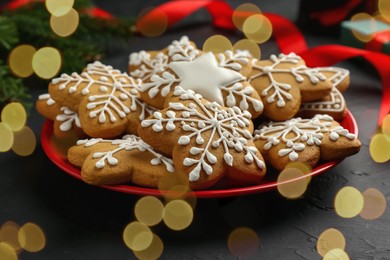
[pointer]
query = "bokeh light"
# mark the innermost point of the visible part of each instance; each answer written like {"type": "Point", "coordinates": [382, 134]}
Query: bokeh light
{"type": "Point", "coordinates": [178, 214]}
{"type": "Point", "coordinates": [380, 148]}
{"type": "Point", "coordinates": [386, 127]}
{"type": "Point", "coordinates": [374, 204]}
{"type": "Point", "coordinates": [24, 141]}
{"type": "Point", "coordinates": [47, 62]}
{"type": "Point", "coordinates": [349, 202]}
{"type": "Point", "coordinates": [31, 237]}
{"type": "Point", "coordinates": [59, 8]}
{"type": "Point", "coordinates": [152, 22]}
{"type": "Point", "coordinates": [249, 45]}
{"type": "Point", "coordinates": [242, 12]}
{"type": "Point", "coordinates": [384, 9]}
{"type": "Point", "coordinates": [6, 137]}
{"type": "Point", "coordinates": [363, 17]}
{"type": "Point", "coordinates": [243, 242]}
{"type": "Point", "coordinates": [182, 192]}
{"type": "Point", "coordinates": [304, 167]}
{"type": "Point", "coordinates": [14, 115]}
{"type": "Point", "coordinates": [65, 25]}
{"type": "Point", "coordinates": [149, 210]}
{"type": "Point", "coordinates": [292, 183]}
{"type": "Point", "coordinates": [9, 234]}
{"type": "Point", "coordinates": [257, 28]}
{"type": "Point", "coordinates": [217, 44]}
{"type": "Point", "coordinates": [20, 60]}
{"type": "Point", "coordinates": [330, 239]}
{"type": "Point", "coordinates": [137, 236]}
{"type": "Point", "coordinates": [7, 252]}
{"type": "Point", "coordinates": [154, 251]}
{"type": "Point", "coordinates": [336, 254]}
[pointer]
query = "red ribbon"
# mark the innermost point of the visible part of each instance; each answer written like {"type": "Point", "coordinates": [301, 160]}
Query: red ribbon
{"type": "Point", "coordinates": [335, 16]}
{"type": "Point", "coordinates": [377, 42]}
{"type": "Point", "coordinates": [288, 38]}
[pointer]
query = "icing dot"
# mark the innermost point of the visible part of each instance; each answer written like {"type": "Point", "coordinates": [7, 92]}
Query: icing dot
{"type": "Point", "coordinates": [103, 78]}
{"type": "Point", "coordinates": [103, 88]}
{"type": "Point", "coordinates": [267, 69]}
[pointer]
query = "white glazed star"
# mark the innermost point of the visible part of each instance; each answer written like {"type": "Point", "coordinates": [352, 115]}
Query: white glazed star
{"type": "Point", "coordinates": [193, 76]}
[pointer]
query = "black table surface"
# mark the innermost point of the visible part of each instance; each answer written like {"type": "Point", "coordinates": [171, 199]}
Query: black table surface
{"type": "Point", "coordinates": [86, 222]}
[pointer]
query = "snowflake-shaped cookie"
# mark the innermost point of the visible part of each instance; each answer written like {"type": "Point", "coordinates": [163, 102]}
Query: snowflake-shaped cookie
{"type": "Point", "coordinates": [106, 100]}
{"type": "Point", "coordinates": [66, 121]}
{"type": "Point", "coordinates": [220, 78]}
{"type": "Point", "coordinates": [334, 104]}
{"type": "Point", "coordinates": [206, 140]}
{"type": "Point", "coordinates": [108, 162]}
{"type": "Point", "coordinates": [284, 81]}
{"type": "Point", "coordinates": [307, 140]}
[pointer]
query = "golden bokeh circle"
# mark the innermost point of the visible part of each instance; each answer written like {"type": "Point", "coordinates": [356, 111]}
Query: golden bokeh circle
{"type": "Point", "coordinates": [386, 127]}
{"type": "Point", "coordinates": [149, 210]}
{"type": "Point", "coordinates": [137, 236]}
{"type": "Point", "coordinates": [6, 137]}
{"type": "Point", "coordinates": [304, 167]}
{"type": "Point", "coordinates": [349, 202]}
{"type": "Point", "coordinates": [336, 254]}
{"type": "Point", "coordinates": [243, 242]}
{"type": "Point", "coordinates": [380, 148]}
{"type": "Point", "coordinates": [65, 25]}
{"type": "Point", "coordinates": [47, 62]}
{"type": "Point", "coordinates": [31, 237]}
{"type": "Point", "coordinates": [242, 12]}
{"type": "Point", "coordinates": [24, 141]}
{"type": "Point", "coordinates": [20, 60]}
{"type": "Point", "coordinates": [154, 251]}
{"type": "Point", "coordinates": [292, 183]}
{"type": "Point", "coordinates": [152, 22]}
{"type": "Point", "coordinates": [374, 204]}
{"type": "Point", "coordinates": [257, 28]}
{"type": "Point", "coordinates": [363, 17]}
{"type": "Point", "coordinates": [330, 239]}
{"type": "Point", "coordinates": [14, 115]}
{"type": "Point", "coordinates": [217, 44]}
{"type": "Point", "coordinates": [384, 9]}
{"type": "Point", "coordinates": [178, 214]}
{"type": "Point", "coordinates": [7, 252]}
{"type": "Point", "coordinates": [9, 234]}
{"type": "Point", "coordinates": [249, 45]}
{"type": "Point", "coordinates": [59, 8]}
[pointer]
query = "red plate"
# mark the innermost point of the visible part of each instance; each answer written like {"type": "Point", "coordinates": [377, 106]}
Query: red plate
{"type": "Point", "coordinates": [61, 161]}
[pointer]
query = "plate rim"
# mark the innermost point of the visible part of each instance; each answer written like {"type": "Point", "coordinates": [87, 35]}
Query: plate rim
{"type": "Point", "coordinates": [64, 165]}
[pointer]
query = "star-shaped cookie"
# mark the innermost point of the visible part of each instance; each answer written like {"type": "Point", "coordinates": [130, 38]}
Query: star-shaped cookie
{"type": "Point", "coordinates": [207, 141]}
{"type": "Point", "coordinates": [219, 78]}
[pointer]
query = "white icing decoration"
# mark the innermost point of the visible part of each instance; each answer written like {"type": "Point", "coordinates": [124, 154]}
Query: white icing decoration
{"type": "Point", "coordinates": [302, 132]}
{"type": "Point", "coordinates": [47, 97]}
{"type": "Point", "coordinates": [68, 118]}
{"type": "Point", "coordinates": [280, 91]}
{"type": "Point", "coordinates": [110, 84]}
{"type": "Point", "coordinates": [337, 101]}
{"type": "Point", "coordinates": [148, 66]}
{"type": "Point", "coordinates": [227, 127]}
{"type": "Point", "coordinates": [182, 50]}
{"type": "Point", "coordinates": [127, 143]}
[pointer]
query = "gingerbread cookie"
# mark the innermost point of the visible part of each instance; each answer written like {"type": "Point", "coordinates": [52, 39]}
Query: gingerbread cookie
{"type": "Point", "coordinates": [207, 141]}
{"type": "Point", "coordinates": [106, 100]}
{"type": "Point", "coordinates": [284, 81]}
{"type": "Point", "coordinates": [306, 140]}
{"type": "Point", "coordinates": [219, 78]}
{"type": "Point", "coordinates": [66, 121]}
{"type": "Point", "coordinates": [110, 162]}
{"type": "Point", "coordinates": [334, 104]}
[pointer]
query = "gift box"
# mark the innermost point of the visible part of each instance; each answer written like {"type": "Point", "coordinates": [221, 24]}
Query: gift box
{"type": "Point", "coordinates": [366, 34]}
{"type": "Point", "coordinates": [325, 16]}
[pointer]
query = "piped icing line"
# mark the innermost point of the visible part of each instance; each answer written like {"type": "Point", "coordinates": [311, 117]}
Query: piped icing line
{"type": "Point", "coordinates": [47, 97]}
{"type": "Point", "coordinates": [279, 90]}
{"type": "Point", "coordinates": [147, 66]}
{"type": "Point", "coordinates": [107, 93]}
{"type": "Point", "coordinates": [127, 143]}
{"type": "Point", "coordinates": [228, 127]}
{"type": "Point", "coordinates": [203, 73]}
{"type": "Point", "coordinates": [305, 132]}
{"type": "Point", "coordinates": [67, 119]}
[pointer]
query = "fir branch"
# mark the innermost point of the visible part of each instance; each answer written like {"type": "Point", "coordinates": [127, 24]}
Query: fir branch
{"type": "Point", "coordinates": [8, 32]}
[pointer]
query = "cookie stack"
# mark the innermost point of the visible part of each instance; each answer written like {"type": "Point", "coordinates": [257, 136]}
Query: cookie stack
{"type": "Point", "coordinates": [187, 112]}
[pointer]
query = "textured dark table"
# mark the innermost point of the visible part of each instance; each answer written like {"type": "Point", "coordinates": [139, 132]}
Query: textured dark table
{"type": "Point", "coordinates": [84, 222]}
